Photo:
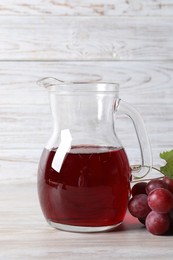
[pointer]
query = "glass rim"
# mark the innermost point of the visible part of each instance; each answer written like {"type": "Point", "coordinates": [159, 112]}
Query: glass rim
{"type": "Point", "coordinates": [92, 86]}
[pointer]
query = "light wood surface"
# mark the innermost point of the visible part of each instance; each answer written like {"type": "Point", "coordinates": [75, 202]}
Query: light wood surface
{"type": "Point", "coordinates": [85, 38]}
{"type": "Point", "coordinates": [87, 7]}
{"type": "Point", "coordinates": [24, 234]}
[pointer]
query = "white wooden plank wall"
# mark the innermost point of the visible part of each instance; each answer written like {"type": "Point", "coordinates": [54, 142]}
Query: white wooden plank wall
{"type": "Point", "coordinates": [87, 7]}
{"type": "Point", "coordinates": [128, 41]}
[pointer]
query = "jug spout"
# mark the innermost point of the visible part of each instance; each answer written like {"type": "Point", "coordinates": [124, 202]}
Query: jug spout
{"type": "Point", "coordinates": [48, 82]}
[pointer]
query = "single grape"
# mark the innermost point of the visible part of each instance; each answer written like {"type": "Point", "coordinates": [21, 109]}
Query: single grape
{"type": "Point", "coordinates": [139, 188]}
{"type": "Point", "coordinates": [138, 206]}
{"type": "Point", "coordinates": [160, 200]}
{"type": "Point", "coordinates": [157, 223]}
{"type": "Point", "coordinates": [154, 184]}
{"type": "Point", "coordinates": [169, 182]}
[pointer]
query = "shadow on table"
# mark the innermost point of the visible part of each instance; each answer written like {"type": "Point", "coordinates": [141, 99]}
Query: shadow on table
{"type": "Point", "coordinates": [130, 223]}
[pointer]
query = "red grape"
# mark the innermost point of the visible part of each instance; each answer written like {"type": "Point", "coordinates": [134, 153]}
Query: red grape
{"type": "Point", "coordinates": [156, 223]}
{"type": "Point", "coordinates": [138, 206]}
{"type": "Point", "coordinates": [169, 183]}
{"type": "Point", "coordinates": [139, 188]}
{"type": "Point", "coordinates": [160, 200]}
{"type": "Point", "coordinates": [152, 204]}
{"type": "Point", "coordinates": [154, 184]}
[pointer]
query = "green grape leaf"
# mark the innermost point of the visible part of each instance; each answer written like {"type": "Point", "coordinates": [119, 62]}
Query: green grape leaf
{"type": "Point", "coordinates": [168, 168]}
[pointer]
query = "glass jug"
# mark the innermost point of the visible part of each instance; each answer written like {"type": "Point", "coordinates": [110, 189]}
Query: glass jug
{"type": "Point", "coordinates": [84, 174]}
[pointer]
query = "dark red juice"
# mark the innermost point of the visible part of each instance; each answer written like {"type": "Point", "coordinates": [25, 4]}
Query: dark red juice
{"type": "Point", "coordinates": [91, 189]}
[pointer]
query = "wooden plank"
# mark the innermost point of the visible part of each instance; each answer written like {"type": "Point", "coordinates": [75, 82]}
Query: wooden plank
{"type": "Point", "coordinates": [139, 81]}
{"type": "Point", "coordinates": [19, 164]}
{"type": "Point", "coordinates": [87, 7]}
{"type": "Point", "coordinates": [25, 115]}
{"type": "Point", "coordinates": [85, 38]}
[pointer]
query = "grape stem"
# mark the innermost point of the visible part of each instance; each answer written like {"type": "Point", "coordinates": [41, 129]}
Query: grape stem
{"type": "Point", "coordinates": [154, 168]}
{"type": "Point", "coordinates": [139, 178]}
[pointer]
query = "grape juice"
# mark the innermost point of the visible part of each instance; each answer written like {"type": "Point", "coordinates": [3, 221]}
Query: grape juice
{"type": "Point", "coordinates": [91, 189]}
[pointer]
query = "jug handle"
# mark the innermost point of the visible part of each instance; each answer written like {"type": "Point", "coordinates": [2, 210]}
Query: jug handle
{"type": "Point", "coordinates": [138, 171]}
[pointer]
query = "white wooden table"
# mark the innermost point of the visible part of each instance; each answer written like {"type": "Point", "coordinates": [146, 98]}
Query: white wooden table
{"type": "Point", "coordinates": [24, 234]}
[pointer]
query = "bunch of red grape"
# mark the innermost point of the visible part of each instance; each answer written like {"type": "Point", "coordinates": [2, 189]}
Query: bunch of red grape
{"type": "Point", "coordinates": [152, 204]}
